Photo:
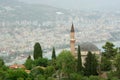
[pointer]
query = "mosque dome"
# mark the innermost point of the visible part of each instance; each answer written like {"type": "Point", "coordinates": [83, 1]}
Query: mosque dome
{"type": "Point", "coordinates": [87, 46]}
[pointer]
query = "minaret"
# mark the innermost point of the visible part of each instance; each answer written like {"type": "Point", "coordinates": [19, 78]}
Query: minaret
{"type": "Point", "coordinates": [72, 40]}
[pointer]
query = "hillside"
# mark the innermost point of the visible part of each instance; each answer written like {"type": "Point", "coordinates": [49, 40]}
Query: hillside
{"type": "Point", "coordinates": [22, 24]}
{"type": "Point", "coordinates": [12, 10]}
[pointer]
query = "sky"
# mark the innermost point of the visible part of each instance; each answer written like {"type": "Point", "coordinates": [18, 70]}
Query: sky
{"type": "Point", "coordinates": [80, 4]}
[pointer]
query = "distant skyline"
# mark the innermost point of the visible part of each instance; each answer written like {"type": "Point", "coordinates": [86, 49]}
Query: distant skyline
{"type": "Point", "coordinates": [80, 4]}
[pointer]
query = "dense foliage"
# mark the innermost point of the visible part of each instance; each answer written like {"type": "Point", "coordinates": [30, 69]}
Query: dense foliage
{"type": "Point", "coordinates": [91, 64]}
{"type": "Point", "coordinates": [66, 67]}
{"type": "Point", "coordinates": [106, 65]}
{"type": "Point", "coordinates": [66, 63]}
{"type": "Point", "coordinates": [37, 51]}
{"type": "Point", "coordinates": [29, 64]}
{"type": "Point", "coordinates": [109, 50]}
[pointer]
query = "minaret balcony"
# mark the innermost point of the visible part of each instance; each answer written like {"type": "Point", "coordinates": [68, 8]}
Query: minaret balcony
{"type": "Point", "coordinates": [72, 39]}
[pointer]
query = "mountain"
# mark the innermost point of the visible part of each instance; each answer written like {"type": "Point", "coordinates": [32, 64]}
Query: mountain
{"type": "Point", "coordinates": [80, 4]}
{"type": "Point", "coordinates": [12, 10]}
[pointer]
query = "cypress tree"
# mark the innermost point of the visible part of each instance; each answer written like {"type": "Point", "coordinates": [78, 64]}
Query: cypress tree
{"type": "Point", "coordinates": [53, 54]}
{"type": "Point", "coordinates": [91, 64]}
{"type": "Point", "coordinates": [79, 61]}
{"type": "Point", "coordinates": [1, 62]}
{"type": "Point", "coordinates": [37, 51]}
{"type": "Point", "coordinates": [29, 57]}
{"type": "Point", "coordinates": [94, 64]}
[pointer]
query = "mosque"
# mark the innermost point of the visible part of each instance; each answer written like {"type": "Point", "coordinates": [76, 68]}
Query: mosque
{"type": "Point", "coordinates": [85, 47]}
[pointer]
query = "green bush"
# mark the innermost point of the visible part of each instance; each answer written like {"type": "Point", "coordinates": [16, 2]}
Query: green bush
{"type": "Point", "coordinates": [41, 62]}
{"type": "Point", "coordinates": [37, 71]}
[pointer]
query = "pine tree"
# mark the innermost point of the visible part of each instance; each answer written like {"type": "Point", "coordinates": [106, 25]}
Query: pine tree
{"type": "Point", "coordinates": [109, 50]}
{"type": "Point", "coordinates": [37, 51]}
{"type": "Point", "coordinates": [53, 54]}
{"type": "Point", "coordinates": [91, 64]}
{"type": "Point", "coordinates": [79, 61]}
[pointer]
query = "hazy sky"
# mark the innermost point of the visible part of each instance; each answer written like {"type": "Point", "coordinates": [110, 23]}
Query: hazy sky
{"type": "Point", "coordinates": [80, 4]}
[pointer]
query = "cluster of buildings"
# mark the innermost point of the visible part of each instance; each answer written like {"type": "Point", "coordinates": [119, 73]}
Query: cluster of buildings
{"type": "Point", "coordinates": [90, 27]}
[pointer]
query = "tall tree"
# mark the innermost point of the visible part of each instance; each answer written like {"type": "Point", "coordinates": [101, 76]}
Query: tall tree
{"type": "Point", "coordinates": [90, 64]}
{"type": "Point", "coordinates": [41, 62]}
{"type": "Point", "coordinates": [1, 62]}
{"type": "Point", "coordinates": [66, 63]}
{"type": "Point", "coordinates": [106, 64]}
{"type": "Point", "coordinates": [117, 65]}
{"type": "Point", "coordinates": [79, 61]}
{"type": "Point", "coordinates": [53, 53]}
{"type": "Point", "coordinates": [94, 64]}
{"type": "Point", "coordinates": [37, 51]}
{"type": "Point", "coordinates": [109, 50]}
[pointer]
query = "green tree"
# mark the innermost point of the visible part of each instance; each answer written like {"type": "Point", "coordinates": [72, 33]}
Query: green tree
{"type": "Point", "coordinates": [3, 70]}
{"type": "Point", "coordinates": [66, 63]}
{"type": "Point", "coordinates": [79, 61]}
{"type": "Point", "coordinates": [37, 51]}
{"type": "Point", "coordinates": [109, 50]}
{"type": "Point", "coordinates": [41, 62]}
{"type": "Point", "coordinates": [15, 74]}
{"type": "Point", "coordinates": [117, 65]}
{"type": "Point", "coordinates": [28, 78]}
{"type": "Point", "coordinates": [1, 62]}
{"type": "Point", "coordinates": [53, 61]}
{"type": "Point", "coordinates": [36, 71]}
{"type": "Point", "coordinates": [105, 64]}
{"type": "Point", "coordinates": [50, 78]}
{"type": "Point", "coordinates": [94, 78]}
{"type": "Point", "coordinates": [29, 64]}
{"type": "Point", "coordinates": [49, 71]}
{"type": "Point", "coordinates": [40, 77]}
{"type": "Point", "coordinates": [20, 78]}
{"type": "Point", "coordinates": [91, 64]}
{"type": "Point", "coordinates": [113, 75]}
{"type": "Point", "coordinates": [76, 76]}
{"type": "Point", "coordinates": [2, 75]}
{"type": "Point", "coordinates": [53, 54]}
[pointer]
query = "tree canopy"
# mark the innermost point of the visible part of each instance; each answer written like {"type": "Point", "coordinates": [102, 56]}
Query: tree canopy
{"type": "Point", "coordinates": [109, 50]}
{"type": "Point", "coordinates": [66, 62]}
{"type": "Point", "coordinates": [37, 51]}
{"type": "Point", "coordinates": [91, 64]}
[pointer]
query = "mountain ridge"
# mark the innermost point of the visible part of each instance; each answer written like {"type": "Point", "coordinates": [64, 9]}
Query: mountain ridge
{"type": "Point", "coordinates": [15, 10]}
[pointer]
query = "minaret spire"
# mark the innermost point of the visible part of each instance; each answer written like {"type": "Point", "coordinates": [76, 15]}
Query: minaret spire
{"type": "Point", "coordinates": [72, 40]}
{"type": "Point", "coordinates": [72, 28]}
